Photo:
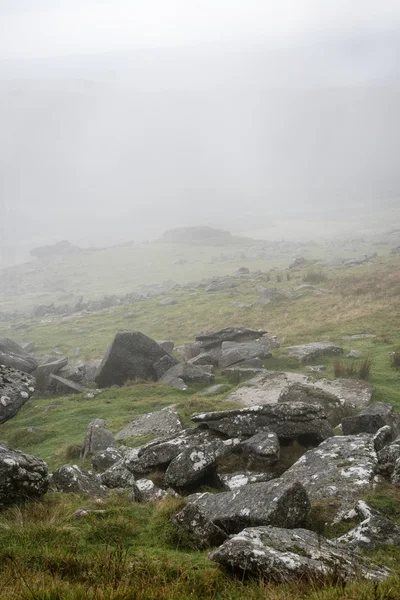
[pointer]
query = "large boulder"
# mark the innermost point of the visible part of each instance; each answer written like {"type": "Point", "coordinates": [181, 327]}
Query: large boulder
{"type": "Point", "coordinates": [145, 490]}
{"type": "Point", "coordinates": [104, 459]}
{"type": "Point", "coordinates": [309, 352]}
{"type": "Point", "coordinates": [98, 437]}
{"type": "Point", "coordinates": [342, 468]}
{"type": "Point", "coordinates": [117, 476]}
{"type": "Point", "coordinates": [16, 388]}
{"type": "Point", "coordinates": [131, 356]}
{"type": "Point", "coordinates": [371, 419]}
{"type": "Point", "coordinates": [272, 503]}
{"type": "Point", "coordinates": [214, 339]}
{"type": "Point", "coordinates": [163, 364]}
{"type": "Point", "coordinates": [22, 477]}
{"type": "Point", "coordinates": [290, 420]}
{"type": "Point", "coordinates": [163, 423]}
{"type": "Point", "coordinates": [280, 555]}
{"type": "Point", "coordinates": [263, 447]}
{"type": "Point", "coordinates": [233, 352]}
{"type": "Point", "coordinates": [189, 373]}
{"type": "Point", "coordinates": [71, 478]}
{"type": "Point", "coordinates": [389, 460]}
{"type": "Point", "coordinates": [335, 408]}
{"type": "Point", "coordinates": [374, 530]}
{"type": "Point", "coordinates": [12, 355]}
{"type": "Point", "coordinates": [44, 370]}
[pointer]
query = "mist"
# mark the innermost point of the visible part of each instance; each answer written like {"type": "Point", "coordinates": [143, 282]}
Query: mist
{"type": "Point", "coordinates": [110, 134]}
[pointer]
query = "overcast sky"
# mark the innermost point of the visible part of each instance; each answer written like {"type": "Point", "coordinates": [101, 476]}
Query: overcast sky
{"type": "Point", "coordinates": [42, 28]}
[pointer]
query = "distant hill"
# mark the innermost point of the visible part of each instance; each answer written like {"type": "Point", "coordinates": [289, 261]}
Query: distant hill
{"type": "Point", "coordinates": [202, 235]}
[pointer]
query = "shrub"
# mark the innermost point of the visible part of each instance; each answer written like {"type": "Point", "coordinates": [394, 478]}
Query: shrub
{"type": "Point", "coordinates": [364, 369]}
{"type": "Point", "coordinates": [314, 277]}
{"type": "Point", "coordinates": [395, 360]}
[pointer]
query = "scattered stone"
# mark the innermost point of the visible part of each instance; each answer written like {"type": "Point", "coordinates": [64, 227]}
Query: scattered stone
{"type": "Point", "coordinates": [233, 352]}
{"type": "Point", "coordinates": [14, 356]}
{"type": "Point", "coordinates": [117, 476]}
{"type": "Point", "coordinates": [189, 374]}
{"type": "Point", "coordinates": [168, 302]}
{"type": "Point", "coordinates": [281, 555]}
{"type": "Point", "coordinates": [214, 339]}
{"type": "Point", "coordinates": [22, 477]}
{"type": "Point", "coordinates": [28, 346]}
{"type": "Point", "coordinates": [105, 459]}
{"type": "Point", "coordinates": [316, 368]}
{"type": "Point", "coordinates": [371, 419]}
{"type": "Point", "coordinates": [224, 284]}
{"type": "Point", "coordinates": [83, 513]}
{"type": "Point", "coordinates": [355, 354]}
{"type": "Point", "coordinates": [71, 478]}
{"type": "Point", "coordinates": [375, 530]}
{"type": "Point", "coordinates": [204, 358]}
{"type": "Point", "coordinates": [335, 408]}
{"type": "Point", "coordinates": [203, 532]}
{"type": "Point", "coordinates": [262, 446]}
{"type": "Point", "coordinates": [234, 481]}
{"type": "Point", "coordinates": [163, 423]}
{"type": "Point", "coordinates": [98, 437]}
{"type": "Point", "coordinates": [43, 372]}
{"type": "Point", "coordinates": [309, 352]}
{"type": "Point", "coordinates": [144, 490]}
{"type": "Point", "coordinates": [16, 388]}
{"type": "Point", "coordinates": [70, 386]}
{"type": "Point", "coordinates": [163, 364]}
{"type": "Point", "coordinates": [383, 437]}
{"type": "Point", "coordinates": [189, 350]}
{"type": "Point", "coordinates": [272, 295]}
{"type": "Point", "coordinates": [131, 356]}
{"type": "Point", "coordinates": [166, 345]}
{"type": "Point", "coordinates": [388, 457]}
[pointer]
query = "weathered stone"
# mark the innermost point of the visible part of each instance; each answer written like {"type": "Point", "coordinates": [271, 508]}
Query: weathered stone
{"type": "Point", "coordinates": [271, 503]}
{"type": "Point", "coordinates": [189, 350]}
{"type": "Point", "coordinates": [233, 481]}
{"type": "Point", "coordinates": [84, 513]}
{"type": "Point", "coordinates": [168, 301]}
{"type": "Point", "coordinates": [214, 339]}
{"type": "Point", "coordinates": [233, 353]}
{"type": "Point", "coordinates": [189, 373]}
{"type": "Point", "coordinates": [166, 345]}
{"type": "Point", "coordinates": [144, 490]}
{"type": "Point", "coordinates": [354, 354]}
{"type": "Point", "coordinates": [272, 295]}
{"type": "Point", "coordinates": [69, 387]}
{"type": "Point", "coordinates": [22, 477]}
{"type": "Point", "coordinates": [281, 555]}
{"type": "Point", "coordinates": [342, 467]}
{"type": "Point", "coordinates": [289, 420]}
{"type": "Point", "coordinates": [131, 356]}
{"type": "Point", "coordinates": [71, 478]}
{"type": "Point", "coordinates": [202, 532]}
{"type": "Point", "coordinates": [105, 459]}
{"type": "Point", "coordinates": [13, 356]}
{"type": "Point", "coordinates": [162, 423]}
{"type": "Point", "coordinates": [16, 388]}
{"type": "Point", "coordinates": [174, 382]}
{"type": "Point", "coordinates": [27, 346]}
{"type": "Point", "coordinates": [43, 372]}
{"type": "Point", "coordinates": [371, 419]}
{"type": "Point", "coordinates": [383, 437]}
{"type": "Point", "coordinates": [163, 364]}
{"type": "Point", "coordinates": [98, 437]}
{"type": "Point", "coordinates": [309, 352]}
{"type": "Point", "coordinates": [335, 408]}
{"type": "Point", "coordinates": [375, 530]}
{"type": "Point", "coordinates": [262, 446]}
{"type": "Point", "coordinates": [204, 358]}
{"type": "Point", "coordinates": [387, 458]}
{"type": "Point", "coordinates": [117, 476]}
{"type": "Point", "coordinates": [217, 286]}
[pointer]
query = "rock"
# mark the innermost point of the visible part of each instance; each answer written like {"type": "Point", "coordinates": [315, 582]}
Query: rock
{"type": "Point", "coordinates": [359, 336]}
{"type": "Point", "coordinates": [43, 372]}
{"type": "Point", "coordinates": [83, 513]}
{"type": "Point", "coordinates": [273, 295]}
{"type": "Point", "coordinates": [342, 467]}
{"type": "Point", "coordinates": [69, 387]}
{"type": "Point", "coordinates": [281, 555]}
{"type": "Point", "coordinates": [243, 372]}
{"type": "Point", "coordinates": [193, 464]}
{"type": "Point", "coordinates": [335, 408]}
{"type": "Point", "coordinates": [163, 364]}
{"type": "Point", "coordinates": [28, 346]}
{"type": "Point", "coordinates": [162, 423]}
{"type": "Point", "coordinates": [131, 356]}
{"type": "Point", "coordinates": [213, 390]}
{"type": "Point", "coordinates": [388, 457]}
{"type": "Point", "coordinates": [117, 476]}
{"type": "Point", "coordinates": [189, 374]}
{"type": "Point", "coordinates": [299, 263]}
{"type": "Point", "coordinates": [71, 478]}
{"type": "Point", "coordinates": [375, 530]}
{"type": "Point", "coordinates": [218, 286]}
{"type": "Point", "coordinates": [233, 481]}
{"type": "Point", "coordinates": [214, 339]}
{"type": "Point", "coordinates": [291, 420]}
{"type": "Point", "coordinates": [309, 352]}
{"type": "Point", "coordinates": [262, 446]}
{"type": "Point", "coordinates": [233, 353]}
{"type": "Point", "coordinates": [354, 354]}
{"type": "Point", "coordinates": [395, 250]}
{"type": "Point", "coordinates": [144, 490]}
{"type": "Point", "coordinates": [105, 459]}
{"type": "Point", "coordinates": [315, 368]}
{"type": "Point", "coordinates": [243, 271]}
{"type": "Point", "coordinates": [175, 382]}
{"type": "Point", "coordinates": [22, 477]}
{"type": "Point", "coordinates": [204, 358]}
{"type": "Point", "coordinates": [371, 419]}
{"type": "Point", "coordinates": [189, 350]}
{"type": "Point", "coordinates": [168, 302]}
{"type": "Point", "coordinates": [271, 503]}
{"type": "Point", "coordinates": [16, 388]}
{"type": "Point", "coordinates": [383, 437]}
{"type": "Point", "coordinates": [98, 437]}
{"type": "Point", "coordinates": [201, 531]}
{"type": "Point", "coordinates": [241, 304]}
{"type": "Point", "coordinates": [166, 345]}
{"type": "Point", "coordinates": [12, 355]}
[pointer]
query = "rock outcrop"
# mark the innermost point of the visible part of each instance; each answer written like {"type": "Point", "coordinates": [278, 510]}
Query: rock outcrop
{"type": "Point", "coordinates": [22, 477]}
{"type": "Point", "coordinates": [98, 437]}
{"type": "Point", "coordinates": [16, 388]}
{"type": "Point", "coordinates": [14, 356]}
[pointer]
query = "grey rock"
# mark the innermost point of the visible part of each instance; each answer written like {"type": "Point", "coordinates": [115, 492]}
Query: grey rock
{"type": "Point", "coordinates": [371, 419]}
{"type": "Point", "coordinates": [28, 346]}
{"type": "Point", "coordinates": [309, 352]}
{"type": "Point", "coordinates": [98, 437]}
{"type": "Point", "coordinates": [316, 368]}
{"type": "Point", "coordinates": [131, 355]}
{"type": "Point", "coordinates": [281, 555]}
{"type": "Point", "coordinates": [359, 336]}
{"type": "Point", "coordinates": [166, 345]}
{"type": "Point", "coordinates": [234, 481]}
{"type": "Point", "coordinates": [383, 437]}
{"type": "Point", "coordinates": [204, 358]}
{"type": "Point", "coordinates": [163, 364]}
{"type": "Point", "coordinates": [162, 423]}
{"type": "Point", "coordinates": [16, 388]}
{"type": "Point", "coordinates": [224, 284]}
{"type": "Point", "coordinates": [44, 370]}
{"type": "Point", "coordinates": [189, 350]}
{"type": "Point", "coordinates": [233, 352]}
{"type": "Point", "coordinates": [71, 478]}
{"type": "Point", "coordinates": [103, 460]}
{"type": "Point", "coordinates": [374, 530]}
{"type": "Point", "coordinates": [214, 339]}
{"type": "Point", "coordinates": [144, 490]}
{"type": "Point", "coordinates": [189, 374]}
{"type": "Point", "coordinates": [341, 467]}
{"type": "Point", "coordinates": [273, 295]}
{"type": "Point", "coordinates": [12, 355]}
{"type": "Point", "coordinates": [175, 382]}
{"type": "Point", "coordinates": [354, 354]}
{"type": "Point", "coordinates": [67, 386]}
{"type": "Point", "coordinates": [243, 372]}
{"type": "Point", "coordinates": [388, 457]}
{"type": "Point", "coordinates": [203, 532]}
{"type": "Point", "coordinates": [83, 513]}
{"type": "Point", "coordinates": [117, 476]}
{"type": "Point", "coordinates": [168, 301]}
{"type": "Point", "coordinates": [271, 503]}
{"type": "Point", "coordinates": [263, 445]}
{"type": "Point", "coordinates": [22, 477]}
{"type": "Point", "coordinates": [291, 420]}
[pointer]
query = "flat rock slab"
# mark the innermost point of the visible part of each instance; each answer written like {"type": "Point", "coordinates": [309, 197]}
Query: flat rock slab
{"type": "Point", "coordinates": [98, 437]}
{"type": "Point", "coordinates": [16, 387]}
{"type": "Point", "coordinates": [342, 467]}
{"type": "Point", "coordinates": [71, 478]}
{"type": "Point", "coordinates": [162, 423]}
{"type": "Point", "coordinates": [22, 477]}
{"type": "Point", "coordinates": [214, 339]}
{"type": "Point", "coordinates": [309, 352]}
{"type": "Point", "coordinates": [371, 419]}
{"type": "Point", "coordinates": [234, 481]}
{"type": "Point", "coordinates": [14, 356]}
{"type": "Point", "coordinates": [280, 555]}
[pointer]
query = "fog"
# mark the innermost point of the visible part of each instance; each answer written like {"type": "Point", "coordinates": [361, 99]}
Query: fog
{"type": "Point", "coordinates": [118, 121]}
